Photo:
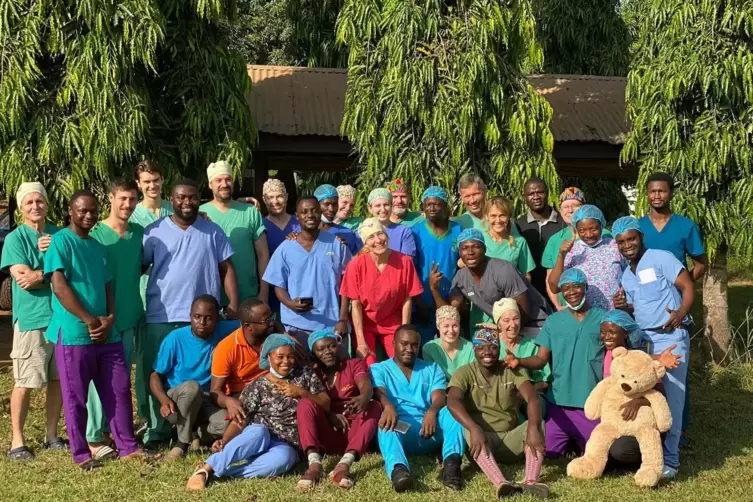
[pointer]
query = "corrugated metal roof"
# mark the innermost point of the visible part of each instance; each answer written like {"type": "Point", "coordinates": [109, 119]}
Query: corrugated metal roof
{"type": "Point", "coordinates": [293, 101]}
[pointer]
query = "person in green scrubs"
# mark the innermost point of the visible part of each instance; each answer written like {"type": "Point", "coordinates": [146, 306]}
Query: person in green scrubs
{"type": "Point", "coordinates": [473, 194]}
{"type": "Point", "coordinates": [450, 351]}
{"type": "Point", "coordinates": [122, 240]}
{"type": "Point", "coordinates": [346, 196]}
{"type": "Point", "coordinates": [244, 228]}
{"type": "Point", "coordinates": [401, 212]}
{"type": "Point", "coordinates": [502, 239]}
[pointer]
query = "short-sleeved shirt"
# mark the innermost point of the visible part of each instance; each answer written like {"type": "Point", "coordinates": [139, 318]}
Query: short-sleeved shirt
{"type": "Point", "coordinates": [603, 265]}
{"type": "Point", "coordinates": [83, 262]}
{"type": "Point", "coordinates": [439, 249]}
{"type": "Point", "coordinates": [492, 403]}
{"type": "Point", "coordinates": [651, 288]}
{"type": "Point", "coordinates": [185, 264]}
{"type": "Point", "coordinates": [517, 253]}
{"type": "Point", "coordinates": [412, 399]}
{"type": "Point", "coordinates": [144, 217]}
{"type": "Point", "coordinates": [433, 352]}
{"type": "Point", "coordinates": [266, 406]}
{"type": "Point", "coordinates": [577, 358]}
{"type": "Point", "coordinates": [527, 348]}
{"type": "Point", "coordinates": [467, 220]}
{"type": "Point", "coordinates": [243, 226]}
{"type": "Point", "coordinates": [31, 307]}
{"type": "Point", "coordinates": [401, 239]}
{"type": "Point", "coordinates": [382, 294]}
{"type": "Point", "coordinates": [183, 356]}
{"type": "Point", "coordinates": [352, 223]}
{"type": "Point", "coordinates": [310, 274]}
{"type": "Point", "coordinates": [345, 386]}
{"type": "Point", "coordinates": [275, 237]}
{"type": "Point", "coordinates": [124, 258]}
{"type": "Point", "coordinates": [351, 239]}
{"type": "Point", "coordinates": [552, 249]}
{"type": "Point", "coordinates": [680, 236]}
{"type": "Point", "coordinates": [236, 361]}
{"type": "Point", "coordinates": [412, 218]}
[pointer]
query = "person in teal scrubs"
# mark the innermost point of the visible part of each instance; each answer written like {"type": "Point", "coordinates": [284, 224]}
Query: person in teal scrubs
{"type": "Point", "coordinates": [501, 237]}
{"type": "Point", "coordinates": [450, 351]}
{"type": "Point", "coordinates": [473, 194]}
{"type": "Point", "coordinates": [415, 419]}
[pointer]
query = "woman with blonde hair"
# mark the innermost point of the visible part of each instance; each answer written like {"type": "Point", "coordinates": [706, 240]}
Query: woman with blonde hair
{"type": "Point", "coordinates": [500, 239]}
{"type": "Point", "coordinates": [450, 351]}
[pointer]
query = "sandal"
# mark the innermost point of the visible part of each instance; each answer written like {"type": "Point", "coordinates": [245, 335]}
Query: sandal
{"type": "Point", "coordinates": [90, 465]}
{"type": "Point", "coordinates": [21, 453]}
{"type": "Point", "coordinates": [311, 477]}
{"type": "Point", "coordinates": [341, 476]}
{"type": "Point", "coordinates": [56, 444]}
{"type": "Point", "coordinates": [198, 480]}
{"type": "Point", "coordinates": [104, 452]}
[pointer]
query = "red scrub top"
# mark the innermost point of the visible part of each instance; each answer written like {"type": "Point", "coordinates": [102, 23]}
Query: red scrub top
{"type": "Point", "coordinates": [381, 294]}
{"type": "Point", "coordinates": [345, 386]}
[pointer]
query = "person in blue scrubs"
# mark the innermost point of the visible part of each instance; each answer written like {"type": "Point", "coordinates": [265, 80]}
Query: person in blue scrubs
{"type": "Point", "coordinates": [659, 292]}
{"type": "Point", "coordinates": [329, 204]}
{"type": "Point", "coordinates": [412, 395]}
{"type": "Point", "coordinates": [436, 251]}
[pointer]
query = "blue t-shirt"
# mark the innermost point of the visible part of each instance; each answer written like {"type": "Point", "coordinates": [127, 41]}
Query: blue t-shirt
{"type": "Point", "coordinates": [183, 356]}
{"type": "Point", "coordinates": [411, 399]}
{"type": "Point", "coordinates": [351, 239]}
{"type": "Point", "coordinates": [185, 264]}
{"type": "Point", "coordinates": [310, 274]}
{"type": "Point", "coordinates": [680, 236]}
{"type": "Point", "coordinates": [441, 250]}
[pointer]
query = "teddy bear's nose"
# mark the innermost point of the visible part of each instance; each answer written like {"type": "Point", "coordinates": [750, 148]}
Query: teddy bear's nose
{"type": "Point", "coordinates": [626, 387]}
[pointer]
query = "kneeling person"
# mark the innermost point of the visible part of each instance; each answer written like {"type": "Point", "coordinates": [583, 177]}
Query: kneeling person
{"type": "Point", "coordinates": [184, 363]}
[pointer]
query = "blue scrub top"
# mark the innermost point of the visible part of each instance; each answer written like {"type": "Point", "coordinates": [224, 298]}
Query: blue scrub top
{"type": "Point", "coordinates": [411, 399]}
{"type": "Point", "coordinates": [680, 236]}
{"type": "Point", "coordinates": [351, 239]}
{"type": "Point", "coordinates": [275, 237]}
{"type": "Point", "coordinates": [441, 250]}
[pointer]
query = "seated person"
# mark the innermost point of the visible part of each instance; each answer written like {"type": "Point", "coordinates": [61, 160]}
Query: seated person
{"type": "Point", "coordinates": [184, 363]}
{"type": "Point", "coordinates": [266, 443]}
{"type": "Point", "coordinates": [450, 351]}
{"type": "Point", "coordinates": [349, 426]}
{"type": "Point", "coordinates": [484, 396]}
{"type": "Point", "coordinates": [412, 394]}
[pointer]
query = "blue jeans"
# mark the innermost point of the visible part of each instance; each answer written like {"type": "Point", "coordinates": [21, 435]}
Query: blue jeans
{"type": "Point", "coordinates": [394, 445]}
{"type": "Point", "coordinates": [253, 454]}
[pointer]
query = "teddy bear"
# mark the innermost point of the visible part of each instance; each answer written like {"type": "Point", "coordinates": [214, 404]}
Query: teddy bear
{"type": "Point", "coordinates": [633, 374]}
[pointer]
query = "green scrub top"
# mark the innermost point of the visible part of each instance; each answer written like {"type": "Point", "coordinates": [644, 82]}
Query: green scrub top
{"type": "Point", "coordinates": [124, 258]}
{"type": "Point", "coordinates": [577, 356]}
{"type": "Point", "coordinates": [352, 223]}
{"type": "Point", "coordinates": [145, 217]}
{"type": "Point", "coordinates": [412, 218]}
{"type": "Point", "coordinates": [31, 307]}
{"type": "Point", "coordinates": [528, 348]}
{"type": "Point", "coordinates": [519, 254]}
{"type": "Point", "coordinates": [433, 352]}
{"type": "Point", "coordinates": [243, 225]}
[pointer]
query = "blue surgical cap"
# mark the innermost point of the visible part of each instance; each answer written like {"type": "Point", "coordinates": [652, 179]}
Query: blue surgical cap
{"type": "Point", "coordinates": [572, 276]}
{"type": "Point", "coordinates": [318, 335]}
{"type": "Point", "coordinates": [435, 191]}
{"type": "Point", "coordinates": [588, 212]}
{"type": "Point", "coordinates": [624, 224]}
{"type": "Point", "coordinates": [470, 234]}
{"type": "Point", "coordinates": [325, 192]}
{"type": "Point", "coordinates": [624, 321]}
{"type": "Point", "coordinates": [273, 342]}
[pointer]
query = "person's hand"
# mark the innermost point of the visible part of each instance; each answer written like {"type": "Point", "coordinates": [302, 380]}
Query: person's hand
{"type": "Point", "coordinates": [292, 236]}
{"type": "Point", "coordinates": [298, 306]}
{"type": "Point", "coordinates": [205, 216]}
{"type": "Point", "coordinates": [388, 420]}
{"type": "Point", "coordinates": [435, 277]}
{"type": "Point", "coordinates": [290, 390]}
{"type": "Point", "coordinates": [566, 246]}
{"type": "Point", "coordinates": [235, 410]}
{"type": "Point", "coordinates": [534, 440]}
{"type": "Point", "coordinates": [29, 279]}
{"type": "Point", "coordinates": [363, 350]}
{"type": "Point", "coordinates": [218, 445]}
{"type": "Point", "coordinates": [250, 200]}
{"type": "Point", "coordinates": [619, 299]}
{"type": "Point", "coordinates": [511, 361]}
{"type": "Point", "coordinates": [357, 404]}
{"type": "Point", "coordinates": [43, 243]}
{"type": "Point", "coordinates": [461, 263]}
{"type": "Point", "coordinates": [478, 444]}
{"type": "Point", "coordinates": [630, 409]}
{"type": "Point", "coordinates": [668, 359]}
{"type": "Point", "coordinates": [338, 421]}
{"type": "Point", "coordinates": [341, 328]}
{"type": "Point", "coordinates": [674, 321]}
{"type": "Point", "coordinates": [168, 408]}
{"type": "Point", "coordinates": [429, 424]}
{"type": "Point", "coordinates": [231, 312]}
{"type": "Point", "coordinates": [341, 239]}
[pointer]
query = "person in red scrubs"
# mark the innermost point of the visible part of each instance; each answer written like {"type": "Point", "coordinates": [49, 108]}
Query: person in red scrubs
{"type": "Point", "coordinates": [381, 284]}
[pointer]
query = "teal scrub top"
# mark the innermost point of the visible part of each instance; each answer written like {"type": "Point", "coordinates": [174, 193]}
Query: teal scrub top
{"type": "Point", "coordinates": [352, 223]}
{"type": "Point", "coordinates": [528, 348]}
{"type": "Point", "coordinates": [518, 254]}
{"type": "Point", "coordinates": [434, 353]}
{"type": "Point", "coordinates": [411, 399]}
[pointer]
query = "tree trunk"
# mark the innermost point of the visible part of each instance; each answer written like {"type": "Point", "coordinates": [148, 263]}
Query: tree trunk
{"type": "Point", "coordinates": [715, 308]}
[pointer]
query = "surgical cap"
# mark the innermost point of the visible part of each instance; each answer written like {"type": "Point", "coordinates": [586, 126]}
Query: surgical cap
{"type": "Point", "coordinates": [588, 212]}
{"type": "Point", "coordinates": [624, 224]}
{"type": "Point", "coordinates": [30, 187]}
{"type": "Point", "coordinates": [572, 276]}
{"type": "Point", "coordinates": [446, 312]}
{"type": "Point", "coordinates": [346, 192]}
{"type": "Point", "coordinates": [273, 185]}
{"type": "Point", "coordinates": [325, 192]}
{"type": "Point", "coordinates": [504, 305]}
{"type": "Point", "coordinates": [319, 335]}
{"type": "Point", "coordinates": [397, 186]}
{"type": "Point", "coordinates": [486, 335]}
{"type": "Point", "coordinates": [369, 227]}
{"type": "Point", "coordinates": [573, 193]}
{"type": "Point", "coordinates": [470, 234]}
{"type": "Point", "coordinates": [272, 343]}
{"type": "Point", "coordinates": [219, 168]}
{"type": "Point", "coordinates": [435, 191]}
{"type": "Point", "coordinates": [624, 321]}
{"type": "Point", "coordinates": [379, 194]}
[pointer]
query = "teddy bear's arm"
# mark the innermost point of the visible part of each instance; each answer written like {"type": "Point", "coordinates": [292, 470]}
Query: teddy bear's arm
{"type": "Point", "coordinates": [592, 408]}
{"type": "Point", "coordinates": [661, 410]}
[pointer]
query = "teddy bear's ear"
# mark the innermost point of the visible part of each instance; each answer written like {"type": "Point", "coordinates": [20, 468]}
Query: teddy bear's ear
{"type": "Point", "coordinates": [619, 352]}
{"type": "Point", "coordinates": [659, 369]}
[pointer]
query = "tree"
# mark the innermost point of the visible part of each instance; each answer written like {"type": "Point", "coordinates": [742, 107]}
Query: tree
{"type": "Point", "coordinates": [90, 87]}
{"type": "Point", "coordinates": [437, 89]}
{"type": "Point", "coordinates": [690, 101]}
{"type": "Point", "coordinates": [264, 33]}
{"type": "Point", "coordinates": [314, 32]}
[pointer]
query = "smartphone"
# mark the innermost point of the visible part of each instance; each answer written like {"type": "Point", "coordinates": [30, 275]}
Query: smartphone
{"type": "Point", "coordinates": [308, 300]}
{"type": "Point", "coordinates": [402, 427]}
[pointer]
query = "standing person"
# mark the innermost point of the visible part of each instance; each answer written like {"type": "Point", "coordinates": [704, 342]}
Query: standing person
{"type": "Point", "coordinates": [245, 231]}
{"type": "Point", "coordinates": [400, 236]}
{"type": "Point", "coordinates": [306, 273]}
{"type": "Point", "coordinates": [401, 212]}
{"type": "Point", "coordinates": [329, 204]}
{"type": "Point", "coordinates": [412, 395]}
{"type": "Point", "coordinates": [122, 241]}
{"type": "Point", "coordinates": [436, 252]}
{"type": "Point", "coordinates": [450, 351]}
{"type": "Point", "coordinates": [501, 241]}
{"type": "Point", "coordinates": [346, 203]}
{"type": "Point", "coordinates": [33, 361]}
{"type": "Point", "coordinates": [659, 291]}
{"type": "Point", "coordinates": [190, 257]}
{"type": "Point", "coordinates": [88, 347]}
{"type": "Point", "coordinates": [538, 226]}
{"type": "Point", "coordinates": [381, 285]}
{"type": "Point", "coordinates": [473, 194]}
{"type": "Point", "coordinates": [595, 254]}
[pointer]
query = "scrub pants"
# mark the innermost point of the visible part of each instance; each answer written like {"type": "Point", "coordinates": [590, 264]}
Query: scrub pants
{"type": "Point", "coordinates": [317, 433]}
{"type": "Point", "coordinates": [254, 453]}
{"type": "Point", "coordinates": [564, 424]}
{"type": "Point", "coordinates": [395, 446]}
{"type": "Point", "coordinates": [674, 389]}
{"type": "Point", "coordinates": [376, 341]}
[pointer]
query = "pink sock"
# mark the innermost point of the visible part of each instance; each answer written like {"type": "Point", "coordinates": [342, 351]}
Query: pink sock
{"type": "Point", "coordinates": [487, 464]}
{"type": "Point", "coordinates": [534, 460]}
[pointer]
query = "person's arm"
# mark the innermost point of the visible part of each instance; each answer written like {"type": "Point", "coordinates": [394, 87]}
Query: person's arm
{"type": "Point", "coordinates": [389, 417]}
{"type": "Point", "coordinates": [342, 323]}
{"type": "Point", "coordinates": [522, 301]}
{"type": "Point", "coordinates": [534, 438]}
{"type": "Point", "coordinates": [687, 289]}
{"type": "Point", "coordinates": [535, 362]}
{"type": "Point", "coordinates": [407, 310]}
{"type": "Point", "coordinates": [700, 263]}
{"type": "Point", "coordinates": [230, 284]}
{"type": "Point", "coordinates": [262, 260]}
{"type": "Point", "coordinates": [553, 279]}
{"type": "Point", "coordinates": [26, 278]}
{"type": "Point", "coordinates": [68, 299]}
{"type": "Point", "coordinates": [357, 313]}
{"type": "Point", "coordinates": [167, 405]}
{"type": "Point", "coordinates": [455, 397]}
{"type": "Point", "coordinates": [553, 297]}
{"type": "Point", "coordinates": [232, 430]}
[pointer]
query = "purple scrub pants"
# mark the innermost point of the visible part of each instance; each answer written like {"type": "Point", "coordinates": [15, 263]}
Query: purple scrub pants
{"type": "Point", "coordinates": [564, 424]}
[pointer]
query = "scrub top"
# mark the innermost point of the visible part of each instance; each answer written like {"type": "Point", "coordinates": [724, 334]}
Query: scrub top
{"type": "Point", "coordinates": [401, 239]}
{"type": "Point", "coordinates": [603, 265]}
{"type": "Point", "coordinates": [680, 236]}
{"type": "Point", "coordinates": [351, 239]}
{"type": "Point", "coordinates": [527, 348]}
{"type": "Point", "coordinates": [310, 274]}
{"type": "Point", "coordinates": [382, 294]}
{"type": "Point", "coordinates": [412, 218]}
{"type": "Point", "coordinates": [439, 249]}
{"type": "Point", "coordinates": [577, 359]}
{"type": "Point", "coordinates": [467, 220]}
{"type": "Point", "coordinates": [144, 217]}
{"type": "Point", "coordinates": [518, 254]}
{"type": "Point", "coordinates": [552, 249]}
{"type": "Point", "coordinates": [434, 353]}
{"type": "Point", "coordinates": [412, 399]}
{"type": "Point", "coordinates": [275, 237]}
{"type": "Point", "coordinates": [345, 386]}
{"type": "Point", "coordinates": [352, 223]}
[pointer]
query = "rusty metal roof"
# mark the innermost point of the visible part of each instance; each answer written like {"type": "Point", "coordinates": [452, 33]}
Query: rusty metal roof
{"type": "Point", "coordinates": [293, 101]}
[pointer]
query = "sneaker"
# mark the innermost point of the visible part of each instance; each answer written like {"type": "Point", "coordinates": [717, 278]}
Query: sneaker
{"type": "Point", "coordinates": [668, 472]}
{"type": "Point", "coordinates": [174, 454]}
{"type": "Point", "coordinates": [451, 472]}
{"type": "Point", "coordinates": [538, 490]}
{"type": "Point", "coordinates": [401, 479]}
{"type": "Point", "coordinates": [508, 489]}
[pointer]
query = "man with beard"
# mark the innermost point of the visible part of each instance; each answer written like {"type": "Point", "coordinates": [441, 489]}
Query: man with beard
{"type": "Point", "coordinates": [329, 201]}
{"type": "Point", "coordinates": [88, 347]}
{"type": "Point", "coordinates": [243, 226]}
{"type": "Point", "coordinates": [190, 256]}
{"type": "Point", "coordinates": [306, 273]}
{"type": "Point", "coordinates": [401, 212]}
{"type": "Point", "coordinates": [473, 194]}
{"type": "Point", "coordinates": [122, 241]}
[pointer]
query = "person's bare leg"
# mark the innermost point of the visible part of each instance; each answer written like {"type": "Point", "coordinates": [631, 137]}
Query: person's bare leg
{"type": "Point", "coordinates": [54, 408]}
{"type": "Point", "coordinates": [19, 409]}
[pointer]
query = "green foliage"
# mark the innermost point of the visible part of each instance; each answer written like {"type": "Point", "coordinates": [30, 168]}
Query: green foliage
{"type": "Point", "coordinates": [604, 193]}
{"type": "Point", "coordinates": [437, 89]}
{"type": "Point", "coordinates": [690, 101]}
{"type": "Point", "coordinates": [90, 87]}
{"type": "Point", "coordinates": [263, 33]}
{"type": "Point", "coordinates": [314, 32]}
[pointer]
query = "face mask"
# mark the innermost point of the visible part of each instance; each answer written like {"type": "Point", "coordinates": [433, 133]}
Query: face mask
{"type": "Point", "coordinates": [577, 307]}
{"type": "Point", "coordinates": [325, 220]}
{"type": "Point", "coordinates": [275, 374]}
{"type": "Point", "coordinates": [595, 243]}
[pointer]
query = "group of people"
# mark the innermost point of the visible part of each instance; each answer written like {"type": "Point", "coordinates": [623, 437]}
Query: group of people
{"type": "Point", "coordinates": [284, 338]}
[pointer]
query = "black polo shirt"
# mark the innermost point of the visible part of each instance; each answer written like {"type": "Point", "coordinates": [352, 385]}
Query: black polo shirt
{"type": "Point", "coordinates": [537, 235]}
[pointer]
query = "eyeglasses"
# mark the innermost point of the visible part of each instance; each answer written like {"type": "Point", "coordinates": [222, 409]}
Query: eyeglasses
{"type": "Point", "coordinates": [268, 320]}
